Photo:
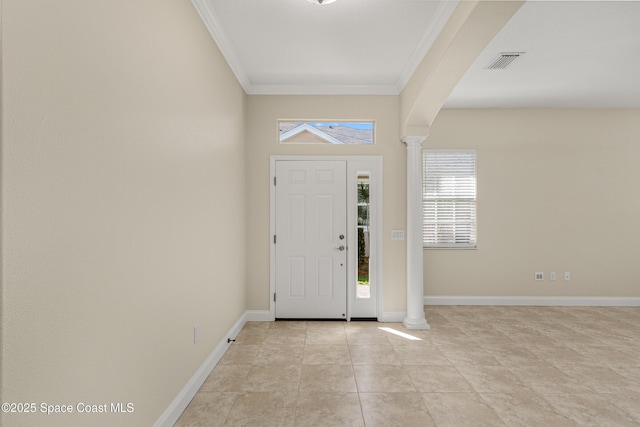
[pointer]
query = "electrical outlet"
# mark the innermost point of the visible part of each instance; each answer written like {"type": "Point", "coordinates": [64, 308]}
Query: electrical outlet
{"type": "Point", "coordinates": [567, 276]}
{"type": "Point", "coordinates": [539, 275]}
{"type": "Point", "coordinates": [196, 334]}
{"type": "Point", "coordinates": [552, 275]}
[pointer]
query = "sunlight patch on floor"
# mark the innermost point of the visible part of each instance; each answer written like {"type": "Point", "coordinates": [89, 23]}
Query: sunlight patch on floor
{"type": "Point", "coordinates": [400, 334]}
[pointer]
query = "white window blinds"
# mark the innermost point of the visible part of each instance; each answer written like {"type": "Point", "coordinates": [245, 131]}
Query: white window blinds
{"type": "Point", "coordinates": [449, 198]}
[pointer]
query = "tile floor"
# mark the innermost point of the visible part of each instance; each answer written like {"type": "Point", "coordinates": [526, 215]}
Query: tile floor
{"type": "Point", "coordinates": [477, 366]}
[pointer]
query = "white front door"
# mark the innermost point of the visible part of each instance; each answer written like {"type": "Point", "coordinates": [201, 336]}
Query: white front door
{"type": "Point", "coordinates": [310, 240]}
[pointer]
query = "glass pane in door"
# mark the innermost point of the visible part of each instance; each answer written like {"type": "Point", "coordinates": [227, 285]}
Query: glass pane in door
{"type": "Point", "coordinates": [363, 288]}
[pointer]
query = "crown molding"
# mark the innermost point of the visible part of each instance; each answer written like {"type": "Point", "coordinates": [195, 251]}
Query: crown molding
{"type": "Point", "coordinates": [301, 89]}
{"type": "Point", "coordinates": [443, 15]}
{"type": "Point", "coordinates": [208, 16]}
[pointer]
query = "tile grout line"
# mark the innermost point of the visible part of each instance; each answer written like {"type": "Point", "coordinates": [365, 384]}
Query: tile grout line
{"type": "Point", "coordinates": [355, 379]}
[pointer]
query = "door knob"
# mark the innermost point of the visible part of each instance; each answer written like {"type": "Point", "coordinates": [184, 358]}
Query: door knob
{"type": "Point", "coordinates": [340, 248]}
{"type": "Point", "coordinates": [341, 237]}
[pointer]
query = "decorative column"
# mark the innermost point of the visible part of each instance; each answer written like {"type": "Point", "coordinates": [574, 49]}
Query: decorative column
{"type": "Point", "coordinates": [415, 284]}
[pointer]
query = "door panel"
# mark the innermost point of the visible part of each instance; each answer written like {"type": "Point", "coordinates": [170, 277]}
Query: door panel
{"type": "Point", "coordinates": [311, 216]}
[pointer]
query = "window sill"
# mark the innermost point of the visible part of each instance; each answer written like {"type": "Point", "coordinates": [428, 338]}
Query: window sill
{"type": "Point", "coordinates": [457, 248]}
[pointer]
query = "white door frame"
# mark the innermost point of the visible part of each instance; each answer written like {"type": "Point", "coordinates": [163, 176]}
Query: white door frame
{"type": "Point", "coordinates": [354, 163]}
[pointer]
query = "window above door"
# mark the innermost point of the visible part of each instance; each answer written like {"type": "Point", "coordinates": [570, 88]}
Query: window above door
{"type": "Point", "coordinates": [326, 132]}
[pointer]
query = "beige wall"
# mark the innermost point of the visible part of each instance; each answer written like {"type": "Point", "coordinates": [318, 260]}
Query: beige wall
{"type": "Point", "coordinates": [126, 144]}
{"type": "Point", "coordinates": [557, 191]}
{"type": "Point", "coordinates": [262, 142]}
{"type": "Point", "coordinates": [122, 204]}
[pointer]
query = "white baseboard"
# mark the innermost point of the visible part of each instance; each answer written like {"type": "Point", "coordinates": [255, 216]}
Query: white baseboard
{"type": "Point", "coordinates": [392, 316]}
{"type": "Point", "coordinates": [535, 301]}
{"type": "Point", "coordinates": [179, 404]}
{"type": "Point", "coordinates": [258, 316]}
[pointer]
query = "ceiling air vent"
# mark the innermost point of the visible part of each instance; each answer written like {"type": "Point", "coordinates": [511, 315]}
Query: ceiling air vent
{"type": "Point", "coordinates": [504, 60]}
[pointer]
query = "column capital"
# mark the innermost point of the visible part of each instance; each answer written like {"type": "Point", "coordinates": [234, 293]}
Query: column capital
{"type": "Point", "coordinates": [413, 139]}
{"type": "Point", "coordinates": [421, 131]}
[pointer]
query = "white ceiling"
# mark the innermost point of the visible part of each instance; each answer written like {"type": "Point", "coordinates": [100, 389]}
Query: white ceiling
{"type": "Point", "coordinates": [577, 53]}
{"type": "Point", "coordinates": [346, 47]}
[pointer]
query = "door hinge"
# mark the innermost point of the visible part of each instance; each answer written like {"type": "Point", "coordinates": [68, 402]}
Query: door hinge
{"type": "Point", "coordinates": [274, 297]}
{"type": "Point", "coordinates": [274, 239]}
{"type": "Point", "coordinates": [274, 180]}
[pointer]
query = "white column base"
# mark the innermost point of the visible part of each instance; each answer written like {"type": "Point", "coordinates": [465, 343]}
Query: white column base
{"type": "Point", "coordinates": [415, 323]}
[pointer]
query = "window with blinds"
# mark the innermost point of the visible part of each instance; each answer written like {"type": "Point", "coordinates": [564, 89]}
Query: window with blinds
{"type": "Point", "coordinates": [449, 198]}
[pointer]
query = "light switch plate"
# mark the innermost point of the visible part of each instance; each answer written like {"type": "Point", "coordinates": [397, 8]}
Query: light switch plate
{"type": "Point", "coordinates": [397, 234]}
